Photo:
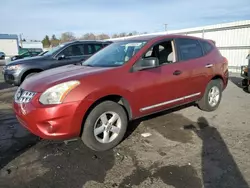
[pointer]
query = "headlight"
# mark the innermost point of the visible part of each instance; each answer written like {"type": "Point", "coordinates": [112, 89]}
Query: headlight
{"type": "Point", "coordinates": [57, 93]}
{"type": "Point", "coordinates": [12, 67]}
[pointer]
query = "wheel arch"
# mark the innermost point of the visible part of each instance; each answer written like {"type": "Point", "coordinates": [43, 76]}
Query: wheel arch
{"type": "Point", "coordinates": [29, 71]}
{"type": "Point", "coordinates": [112, 97]}
{"type": "Point", "coordinates": [216, 77]}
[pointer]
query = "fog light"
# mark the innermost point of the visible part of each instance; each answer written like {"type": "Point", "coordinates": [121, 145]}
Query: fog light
{"type": "Point", "coordinates": [46, 127]}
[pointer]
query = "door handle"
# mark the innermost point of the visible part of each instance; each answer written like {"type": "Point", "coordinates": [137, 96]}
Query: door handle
{"type": "Point", "coordinates": [177, 72]}
{"type": "Point", "coordinates": [209, 65]}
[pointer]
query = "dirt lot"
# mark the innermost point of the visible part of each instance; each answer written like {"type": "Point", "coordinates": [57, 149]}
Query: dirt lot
{"type": "Point", "coordinates": [188, 148]}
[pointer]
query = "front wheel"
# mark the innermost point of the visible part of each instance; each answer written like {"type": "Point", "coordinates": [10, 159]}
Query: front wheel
{"type": "Point", "coordinates": [105, 126]}
{"type": "Point", "coordinates": [212, 96]}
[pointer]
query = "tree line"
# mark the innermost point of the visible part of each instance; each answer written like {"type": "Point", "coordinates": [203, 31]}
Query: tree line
{"type": "Point", "coordinates": [69, 36]}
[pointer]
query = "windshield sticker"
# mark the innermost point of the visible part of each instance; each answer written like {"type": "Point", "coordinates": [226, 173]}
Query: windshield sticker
{"type": "Point", "coordinates": [134, 44]}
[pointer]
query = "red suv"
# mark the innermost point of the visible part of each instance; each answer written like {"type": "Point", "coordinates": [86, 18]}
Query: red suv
{"type": "Point", "coordinates": [126, 80]}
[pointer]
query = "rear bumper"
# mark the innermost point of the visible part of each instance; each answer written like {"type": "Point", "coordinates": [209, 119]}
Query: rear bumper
{"type": "Point", "coordinates": [245, 72]}
{"type": "Point", "coordinates": [245, 82]}
{"type": "Point", "coordinates": [226, 78]}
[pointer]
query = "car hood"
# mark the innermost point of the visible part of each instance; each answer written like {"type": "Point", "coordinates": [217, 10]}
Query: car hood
{"type": "Point", "coordinates": [51, 77]}
{"type": "Point", "coordinates": [27, 60]}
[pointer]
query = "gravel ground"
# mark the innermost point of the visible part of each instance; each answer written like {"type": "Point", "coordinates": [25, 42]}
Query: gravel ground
{"type": "Point", "coordinates": [187, 148]}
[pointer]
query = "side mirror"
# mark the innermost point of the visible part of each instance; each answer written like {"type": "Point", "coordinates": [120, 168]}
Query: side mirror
{"type": "Point", "coordinates": [147, 63]}
{"type": "Point", "coordinates": [60, 57]}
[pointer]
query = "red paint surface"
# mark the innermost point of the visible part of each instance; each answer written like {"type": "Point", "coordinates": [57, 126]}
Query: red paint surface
{"type": "Point", "coordinates": [140, 89]}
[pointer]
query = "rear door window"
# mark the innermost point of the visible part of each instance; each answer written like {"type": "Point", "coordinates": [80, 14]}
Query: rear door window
{"type": "Point", "coordinates": [97, 47]}
{"type": "Point", "coordinates": [189, 49]}
{"type": "Point", "coordinates": [92, 48]}
{"type": "Point", "coordinates": [89, 49]}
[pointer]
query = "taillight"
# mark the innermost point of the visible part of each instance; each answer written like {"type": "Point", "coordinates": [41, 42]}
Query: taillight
{"type": "Point", "coordinates": [245, 69]}
{"type": "Point", "coordinates": [225, 60]}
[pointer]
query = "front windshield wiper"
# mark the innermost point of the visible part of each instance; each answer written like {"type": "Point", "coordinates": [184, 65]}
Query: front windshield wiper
{"type": "Point", "coordinates": [88, 65]}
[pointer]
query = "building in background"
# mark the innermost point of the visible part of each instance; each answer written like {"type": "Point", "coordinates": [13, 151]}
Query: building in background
{"type": "Point", "coordinates": [9, 44]}
{"type": "Point", "coordinates": [26, 46]}
{"type": "Point", "coordinates": [232, 39]}
{"type": "Point", "coordinates": [31, 44]}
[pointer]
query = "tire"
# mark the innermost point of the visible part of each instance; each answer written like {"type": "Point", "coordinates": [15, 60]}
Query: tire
{"type": "Point", "coordinates": [90, 136]}
{"type": "Point", "coordinates": [204, 103]}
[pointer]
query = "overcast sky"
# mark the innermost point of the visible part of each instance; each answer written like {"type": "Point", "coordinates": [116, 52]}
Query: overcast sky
{"type": "Point", "coordinates": [36, 18]}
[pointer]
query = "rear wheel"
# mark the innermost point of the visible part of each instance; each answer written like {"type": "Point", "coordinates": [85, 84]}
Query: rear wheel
{"type": "Point", "coordinates": [105, 126]}
{"type": "Point", "coordinates": [212, 96]}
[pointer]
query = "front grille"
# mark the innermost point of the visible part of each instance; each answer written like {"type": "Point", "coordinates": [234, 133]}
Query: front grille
{"type": "Point", "coordinates": [22, 96]}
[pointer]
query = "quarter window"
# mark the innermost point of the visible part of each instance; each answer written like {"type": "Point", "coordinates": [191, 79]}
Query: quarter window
{"type": "Point", "coordinates": [207, 47]}
{"type": "Point", "coordinates": [189, 49]}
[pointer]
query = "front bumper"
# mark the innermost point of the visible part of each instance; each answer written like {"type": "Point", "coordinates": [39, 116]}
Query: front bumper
{"type": "Point", "coordinates": [63, 121]}
{"type": "Point", "coordinates": [11, 77]}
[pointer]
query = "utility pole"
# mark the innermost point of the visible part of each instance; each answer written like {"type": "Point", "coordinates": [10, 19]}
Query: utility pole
{"type": "Point", "coordinates": [166, 27]}
{"type": "Point", "coordinates": [21, 40]}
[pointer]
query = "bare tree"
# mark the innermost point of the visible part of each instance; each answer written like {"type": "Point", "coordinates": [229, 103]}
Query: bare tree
{"type": "Point", "coordinates": [88, 36]}
{"type": "Point", "coordinates": [102, 36]}
{"type": "Point", "coordinates": [135, 33]}
{"type": "Point", "coordinates": [122, 34]}
{"type": "Point", "coordinates": [115, 36]}
{"type": "Point", "coordinates": [67, 36]}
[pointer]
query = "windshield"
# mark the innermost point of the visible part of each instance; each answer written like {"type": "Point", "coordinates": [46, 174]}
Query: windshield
{"type": "Point", "coordinates": [24, 53]}
{"type": "Point", "coordinates": [42, 53]}
{"type": "Point", "coordinates": [50, 52]}
{"type": "Point", "coordinates": [116, 54]}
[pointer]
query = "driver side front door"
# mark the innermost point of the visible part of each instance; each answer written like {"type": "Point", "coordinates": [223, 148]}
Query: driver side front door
{"type": "Point", "coordinates": [72, 54]}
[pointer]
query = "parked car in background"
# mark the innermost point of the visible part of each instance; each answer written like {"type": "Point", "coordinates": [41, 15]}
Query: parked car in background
{"type": "Point", "coordinates": [245, 73]}
{"type": "Point", "coordinates": [42, 53]}
{"type": "Point", "coordinates": [64, 54]}
{"type": "Point", "coordinates": [26, 55]}
{"type": "Point", "coordinates": [23, 50]}
{"type": "Point", "coordinates": [2, 55]}
{"type": "Point", "coordinates": [126, 80]}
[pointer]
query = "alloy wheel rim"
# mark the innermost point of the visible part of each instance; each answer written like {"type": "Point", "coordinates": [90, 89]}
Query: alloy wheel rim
{"type": "Point", "coordinates": [107, 127]}
{"type": "Point", "coordinates": [213, 96]}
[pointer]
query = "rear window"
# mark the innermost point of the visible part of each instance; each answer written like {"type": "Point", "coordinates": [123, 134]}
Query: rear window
{"type": "Point", "coordinates": [207, 47]}
{"type": "Point", "coordinates": [189, 49]}
{"type": "Point", "coordinates": [97, 47]}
